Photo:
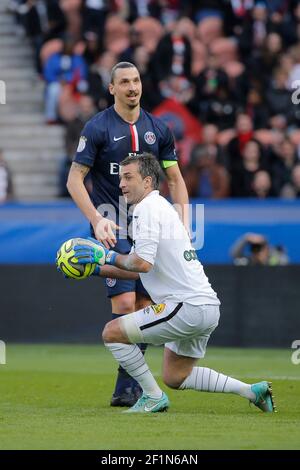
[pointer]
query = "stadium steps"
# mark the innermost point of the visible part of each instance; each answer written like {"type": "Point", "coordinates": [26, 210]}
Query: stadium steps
{"type": "Point", "coordinates": [32, 150]}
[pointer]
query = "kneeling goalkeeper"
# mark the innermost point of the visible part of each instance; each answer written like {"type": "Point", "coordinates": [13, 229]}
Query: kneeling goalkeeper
{"type": "Point", "coordinates": [186, 310]}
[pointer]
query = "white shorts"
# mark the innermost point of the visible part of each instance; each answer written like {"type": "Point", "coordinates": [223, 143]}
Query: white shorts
{"type": "Point", "coordinates": [183, 328]}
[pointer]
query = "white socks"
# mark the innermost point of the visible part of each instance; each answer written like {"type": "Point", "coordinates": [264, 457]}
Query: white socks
{"type": "Point", "coordinates": [203, 379]}
{"type": "Point", "coordinates": [130, 357]}
{"type": "Point", "coordinates": [208, 380]}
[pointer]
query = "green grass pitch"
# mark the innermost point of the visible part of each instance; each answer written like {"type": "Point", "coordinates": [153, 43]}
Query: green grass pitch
{"type": "Point", "coordinates": [57, 397]}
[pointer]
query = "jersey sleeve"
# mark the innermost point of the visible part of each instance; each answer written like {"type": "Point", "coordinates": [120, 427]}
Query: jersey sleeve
{"type": "Point", "coordinates": [167, 151]}
{"type": "Point", "coordinates": [146, 234]}
{"type": "Point", "coordinates": [89, 144]}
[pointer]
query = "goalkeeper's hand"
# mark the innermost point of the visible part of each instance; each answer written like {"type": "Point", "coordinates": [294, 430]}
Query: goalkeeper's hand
{"type": "Point", "coordinates": [96, 253]}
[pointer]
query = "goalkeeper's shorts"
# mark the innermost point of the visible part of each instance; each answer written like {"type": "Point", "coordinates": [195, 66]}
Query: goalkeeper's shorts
{"type": "Point", "coordinates": [183, 328]}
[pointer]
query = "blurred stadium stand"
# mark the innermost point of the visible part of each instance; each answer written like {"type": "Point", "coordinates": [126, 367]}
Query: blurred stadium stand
{"type": "Point", "coordinates": [202, 64]}
{"type": "Point", "coordinates": [32, 149]}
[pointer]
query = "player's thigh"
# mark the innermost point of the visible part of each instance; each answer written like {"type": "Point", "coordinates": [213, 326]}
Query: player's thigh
{"type": "Point", "coordinates": [176, 368]}
{"type": "Point", "coordinates": [201, 321]}
{"type": "Point", "coordinates": [123, 303]}
{"type": "Point", "coordinates": [171, 322]}
{"type": "Point", "coordinates": [149, 324]}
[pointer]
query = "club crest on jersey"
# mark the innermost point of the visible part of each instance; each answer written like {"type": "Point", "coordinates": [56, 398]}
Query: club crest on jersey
{"type": "Point", "coordinates": [158, 308]}
{"type": "Point", "coordinates": [82, 144]}
{"type": "Point", "coordinates": [111, 282]}
{"type": "Point", "coordinates": [150, 138]}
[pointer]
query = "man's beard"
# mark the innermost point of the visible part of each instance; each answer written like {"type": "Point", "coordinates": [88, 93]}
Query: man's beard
{"type": "Point", "coordinates": [132, 106]}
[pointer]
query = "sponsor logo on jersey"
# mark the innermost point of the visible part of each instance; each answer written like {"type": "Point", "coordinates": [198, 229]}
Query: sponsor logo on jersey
{"type": "Point", "coordinates": [119, 138]}
{"type": "Point", "coordinates": [114, 168]}
{"type": "Point", "coordinates": [150, 138]}
{"type": "Point", "coordinates": [158, 308]}
{"type": "Point", "coordinates": [111, 282]}
{"type": "Point", "coordinates": [82, 143]}
{"type": "Point", "coordinates": [147, 310]}
{"type": "Point", "coordinates": [190, 255]}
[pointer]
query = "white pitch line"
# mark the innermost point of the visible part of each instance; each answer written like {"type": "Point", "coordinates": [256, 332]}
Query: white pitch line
{"type": "Point", "coordinates": [275, 377]}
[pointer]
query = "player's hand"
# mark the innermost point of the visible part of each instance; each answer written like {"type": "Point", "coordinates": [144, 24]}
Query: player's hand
{"type": "Point", "coordinates": [94, 253]}
{"type": "Point", "coordinates": [105, 232]}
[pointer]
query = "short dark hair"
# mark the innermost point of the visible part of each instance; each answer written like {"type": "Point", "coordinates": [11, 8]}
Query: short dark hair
{"type": "Point", "coordinates": [148, 166]}
{"type": "Point", "coordinates": [120, 65]}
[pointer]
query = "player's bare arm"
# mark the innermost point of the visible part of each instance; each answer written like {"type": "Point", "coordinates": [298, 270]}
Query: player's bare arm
{"type": "Point", "coordinates": [133, 263]}
{"type": "Point", "coordinates": [117, 273]}
{"type": "Point", "coordinates": [103, 228]}
{"type": "Point", "coordinates": [95, 253]}
{"type": "Point", "coordinates": [178, 193]}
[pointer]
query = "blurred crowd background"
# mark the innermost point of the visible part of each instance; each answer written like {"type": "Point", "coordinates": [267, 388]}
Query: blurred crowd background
{"type": "Point", "coordinates": [224, 75]}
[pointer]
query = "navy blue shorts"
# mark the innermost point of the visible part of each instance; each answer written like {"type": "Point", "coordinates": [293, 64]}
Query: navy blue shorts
{"type": "Point", "coordinates": [119, 286]}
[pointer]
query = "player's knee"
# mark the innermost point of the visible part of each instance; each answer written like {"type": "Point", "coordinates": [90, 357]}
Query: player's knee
{"type": "Point", "coordinates": [108, 333]}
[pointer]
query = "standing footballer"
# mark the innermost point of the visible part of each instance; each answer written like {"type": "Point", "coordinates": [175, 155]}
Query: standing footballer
{"type": "Point", "coordinates": [124, 128]}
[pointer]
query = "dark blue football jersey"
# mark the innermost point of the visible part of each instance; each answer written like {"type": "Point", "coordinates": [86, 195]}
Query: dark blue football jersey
{"type": "Point", "coordinates": [107, 139]}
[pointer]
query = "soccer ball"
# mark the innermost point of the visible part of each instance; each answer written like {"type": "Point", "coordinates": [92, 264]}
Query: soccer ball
{"type": "Point", "coordinates": [67, 262]}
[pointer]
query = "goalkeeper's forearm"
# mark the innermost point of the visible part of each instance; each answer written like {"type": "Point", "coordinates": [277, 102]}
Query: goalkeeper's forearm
{"type": "Point", "coordinates": [117, 273]}
{"type": "Point", "coordinates": [131, 262]}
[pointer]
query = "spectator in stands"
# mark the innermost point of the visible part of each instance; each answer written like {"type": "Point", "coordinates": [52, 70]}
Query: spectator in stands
{"type": "Point", "coordinates": [264, 61]}
{"type": "Point", "coordinates": [283, 165]}
{"type": "Point", "coordinates": [210, 134]}
{"type": "Point", "coordinates": [256, 108]}
{"type": "Point", "coordinates": [73, 129]}
{"type": "Point", "coordinates": [278, 96]}
{"type": "Point", "coordinates": [291, 190]}
{"type": "Point", "coordinates": [253, 249]}
{"type": "Point", "coordinates": [262, 185]}
{"type": "Point", "coordinates": [65, 68]}
{"type": "Point", "coordinates": [6, 190]}
{"type": "Point", "coordinates": [93, 48]}
{"type": "Point", "coordinates": [243, 175]}
{"type": "Point", "coordinates": [221, 109]}
{"type": "Point", "coordinates": [44, 20]}
{"type": "Point", "coordinates": [296, 180]}
{"type": "Point", "coordinates": [99, 79]}
{"type": "Point", "coordinates": [173, 54]}
{"type": "Point", "coordinates": [238, 81]}
{"type": "Point", "coordinates": [207, 84]}
{"type": "Point", "coordinates": [244, 133]}
{"type": "Point", "coordinates": [94, 16]}
{"type": "Point", "coordinates": [205, 177]}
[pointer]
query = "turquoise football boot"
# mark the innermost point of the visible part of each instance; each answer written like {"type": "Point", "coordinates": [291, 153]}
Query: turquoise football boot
{"type": "Point", "coordinates": [264, 397]}
{"type": "Point", "coordinates": [146, 404]}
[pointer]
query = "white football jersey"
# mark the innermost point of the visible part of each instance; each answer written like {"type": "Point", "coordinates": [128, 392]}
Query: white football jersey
{"type": "Point", "coordinates": [160, 238]}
